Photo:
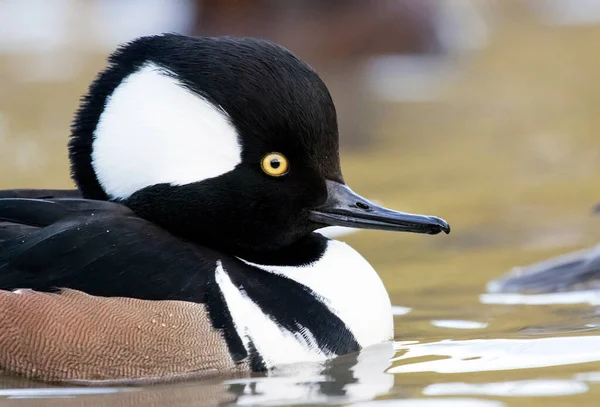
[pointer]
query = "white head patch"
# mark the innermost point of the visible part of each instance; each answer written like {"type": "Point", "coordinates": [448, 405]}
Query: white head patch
{"type": "Point", "coordinates": [153, 130]}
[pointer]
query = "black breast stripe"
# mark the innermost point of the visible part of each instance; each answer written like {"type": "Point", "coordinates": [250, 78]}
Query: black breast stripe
{"type": "Point", "coordinates": [293, 306]}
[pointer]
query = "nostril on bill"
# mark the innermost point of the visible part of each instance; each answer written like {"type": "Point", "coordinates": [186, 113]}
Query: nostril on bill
{"type": "Point", "coordinates": [363, 206]}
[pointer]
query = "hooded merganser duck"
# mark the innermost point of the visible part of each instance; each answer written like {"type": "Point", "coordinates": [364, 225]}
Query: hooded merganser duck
{"type": "Point", "coordinates": [204, 167]}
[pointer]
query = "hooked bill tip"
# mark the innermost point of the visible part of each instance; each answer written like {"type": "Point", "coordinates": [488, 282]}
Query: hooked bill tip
{"type": "Point", "coordinates": [444, 226]}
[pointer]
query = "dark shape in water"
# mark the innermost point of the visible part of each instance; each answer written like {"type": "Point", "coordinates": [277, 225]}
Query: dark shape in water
{"type": "Point", "coordinates": [573, 271]}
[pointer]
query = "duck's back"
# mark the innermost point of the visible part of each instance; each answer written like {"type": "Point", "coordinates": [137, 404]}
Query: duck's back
{"type": "Point", "coordinates": [88, 264]}
{"type": "Point", "coordinates": [15, 230]}
{"type": "Point", "coordinates": [80, 280]}
{"type": "Point", "coordinates": [99, 247]}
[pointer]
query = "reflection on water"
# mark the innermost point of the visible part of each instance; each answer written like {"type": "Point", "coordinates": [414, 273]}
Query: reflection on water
{"type": "Point", "coordinates": [352, 378]}
{"type": "Point", "coordinates": [522, 388]}
{"type": "Point", "coordinates": [348, 379]}
{"type": "Point", "coordinates": [359, 379]}
{"type": "Point", "coordinates": [591, 297]}
{"type": "Point", "coordinates": [481, 355]}
{"type": "Point", "coordinates": [437, 402]}
{"type": "Point", "coordinates": [458, 324]}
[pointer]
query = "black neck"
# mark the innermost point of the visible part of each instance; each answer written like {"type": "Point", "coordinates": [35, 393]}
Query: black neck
{"type": "Point", "coordinates": [305, 251]}
{"type": "Point", "coordinates": [202, 215]}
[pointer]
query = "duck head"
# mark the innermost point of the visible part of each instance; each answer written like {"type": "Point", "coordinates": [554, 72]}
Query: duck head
{"type": "Point", "coordinates": [228, 142]}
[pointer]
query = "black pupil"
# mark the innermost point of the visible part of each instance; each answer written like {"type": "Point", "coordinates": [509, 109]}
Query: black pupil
{"type": "Point", "coordinates": [275, 163]}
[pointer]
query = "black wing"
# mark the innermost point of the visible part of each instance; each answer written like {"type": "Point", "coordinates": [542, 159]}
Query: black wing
{"type": "Point", "coordinates": [98, 247]}
{"type": "Point", "coordinates": [15, 230]}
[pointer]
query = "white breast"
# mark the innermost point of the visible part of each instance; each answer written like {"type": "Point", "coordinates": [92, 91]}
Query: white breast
{"type": "Point", "coordinates": [342, 279]}
{"type": "Point", "coordinates": [350, 287]}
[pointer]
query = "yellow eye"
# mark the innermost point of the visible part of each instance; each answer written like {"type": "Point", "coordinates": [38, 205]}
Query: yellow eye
{"type": "Point", "coordinates": [274, 164]}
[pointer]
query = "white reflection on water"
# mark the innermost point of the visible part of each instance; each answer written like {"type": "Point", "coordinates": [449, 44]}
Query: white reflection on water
{"type": "Point", "coordinates": [399, 310]}
{"type": "Point", "coordinates": [531, 388]}
{"type": "Point", "coordinates": [591, 297]}
{"type": "Point", "coordinates": [458, 324]}
{"type": "Point", "coordinates": [61, 392]}
{"type": "Point", "coordinates": [588, 377]}
{"type": "Point", "coordinates": [437, 402]}
{"type": "Point", "coordinates": [304, 384]}
{"type": "Point", "coordinates": [482, 355]}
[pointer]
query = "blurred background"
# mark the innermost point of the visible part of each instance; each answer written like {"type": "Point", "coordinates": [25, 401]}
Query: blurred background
{"type": "Point", "coordinates": [483, 112]}
{"type": "Point", "coordinates": [479, 111]}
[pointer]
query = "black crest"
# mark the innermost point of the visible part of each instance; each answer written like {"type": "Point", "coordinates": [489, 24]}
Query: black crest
{"type": "Point", "coordinates": [273, 98]}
